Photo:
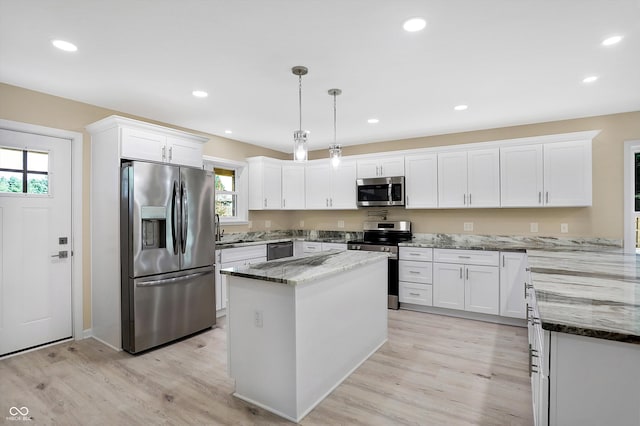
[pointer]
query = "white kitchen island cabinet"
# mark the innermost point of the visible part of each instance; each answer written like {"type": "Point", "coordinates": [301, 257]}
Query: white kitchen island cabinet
{"type": "Point", "coordinates": [294, 332]}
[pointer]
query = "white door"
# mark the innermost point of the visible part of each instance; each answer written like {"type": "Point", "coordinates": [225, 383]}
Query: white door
{"type": "Point", "coordinates": [421, 184]}
{"type": "Point", "coordinates": [272, 185]}
{"type": "Point", "coordinates": [343, 186]}
{"type": "Point", "coordinates": [392, 166]}
{"type": "Point", "coordinates": [35, 230]}
{"type": "Point", "coordinates": [483, 179]}
{"type": "Point", "coordinates": [368, 168]}
{"type": "Point", "coordinates": [521, 176]}
{"type": "Point", "coordinates": [317, 185]}
{"type": "Point", "coordinates": [567, 173]}
{"type": "Point", "coordinates": [293, 187]}
{"type": "Point", "coordinates": [482, 289]}
{"type": "Point", "coordinates": [448, 285]}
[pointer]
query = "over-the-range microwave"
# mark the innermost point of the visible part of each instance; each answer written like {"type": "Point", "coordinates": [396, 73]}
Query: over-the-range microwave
{"type": "Point", "coordinates": [383, 191]}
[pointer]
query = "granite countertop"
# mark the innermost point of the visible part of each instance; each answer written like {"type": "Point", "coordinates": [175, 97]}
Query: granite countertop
{"type": "Point", "coordinates": [595, 294]}
{"type": "Point", "coordinates": [221, 245]}
{"type": "Point", "coordinates": [299, 270]}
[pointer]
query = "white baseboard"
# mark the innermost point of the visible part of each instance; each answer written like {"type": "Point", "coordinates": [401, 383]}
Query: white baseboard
{"type": "Point", "coordinates": [86, 334]}
{"type": "Point", "coordinates": [107, 344]}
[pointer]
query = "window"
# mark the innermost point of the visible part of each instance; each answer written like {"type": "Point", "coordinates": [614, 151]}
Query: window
{"type": "Point", "coordinates": [23, 171]}
{"type": "Point", "coordinates": [231, 190]}
{"type": "Point", "coordinates": [226, 195]}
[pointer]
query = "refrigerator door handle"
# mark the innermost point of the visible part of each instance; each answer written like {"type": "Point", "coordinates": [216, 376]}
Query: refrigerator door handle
{"type": "Point", "coordinates": [174, 280]}
{"type": "Point", "coordinates": [184, 203]}
{"type": "Point", "coordinates": [174, 216]}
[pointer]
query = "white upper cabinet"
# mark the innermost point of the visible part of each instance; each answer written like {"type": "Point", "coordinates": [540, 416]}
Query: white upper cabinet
{"type": "Point", "coordinates": [452, 179]}
{"type": "Point", "coordinates": [421, 181]}
{"type": "Point", "coordinates": [567, 174]}
{"type": "Point", "coordinates": [327, 187]}
{"type": "Point", "coordinates": [292, 186]}
{"type": "Point", "coordinates": [153, 145]}
{"type": "Point", "coordinates": [380, 167]}
{"type": "Point", "coordinates": [483, 178]}
{"type": "Point", "coordinates": [469, 179]}
{"type": "Point", "coordinates": [265, 183]}
{"type": "Point", "coordinates": [546, 175]}
{"type": "Point", "coordinates": [521, 182]}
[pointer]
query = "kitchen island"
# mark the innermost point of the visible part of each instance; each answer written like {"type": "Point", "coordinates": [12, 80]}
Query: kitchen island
{"type": "Point", "coordinates": [297, 327]}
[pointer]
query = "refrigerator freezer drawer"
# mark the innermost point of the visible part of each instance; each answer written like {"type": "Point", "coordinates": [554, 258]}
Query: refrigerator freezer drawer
{"type": "Point", "coordinates": [167, 307]}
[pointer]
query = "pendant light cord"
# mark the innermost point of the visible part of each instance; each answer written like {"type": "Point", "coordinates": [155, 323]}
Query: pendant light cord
{"type": "Point", "coordinates": [334, 118]}
{"type": "Point", "coordinates": [300, 100]}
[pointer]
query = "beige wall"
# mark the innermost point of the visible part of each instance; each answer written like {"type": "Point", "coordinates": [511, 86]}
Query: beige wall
{"type": "Point", "coordinates": [604, 219]}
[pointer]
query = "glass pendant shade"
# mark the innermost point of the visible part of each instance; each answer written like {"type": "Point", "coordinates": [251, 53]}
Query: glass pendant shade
{"type": "Point", "coordinates": [300, 149]}
{"type": "Point", "coordinates": [335, 153]}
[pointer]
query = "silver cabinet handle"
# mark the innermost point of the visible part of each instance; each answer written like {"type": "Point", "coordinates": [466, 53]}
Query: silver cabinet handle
{"type": "Point", "coordinates": [327, 202]}
{"type": "Point", "coordinates": [464, 257]}
{"type": "Point", "coordinates": [547, 197]}
{"type": "Point", "coordinates": [265, 202]}
{"type": "Point", "coordinates": [170, 153]}
{"type": "Point", "coordinates": [503, 260]}
{"type": "Point", "coordinates": [464, 199]}
{"type": "Point", "coordinates": [414, 294]}
{"type": "Point", "coordinates": [469, 198]}
{"type": "Point", "coordinates": [539, 197]}
{"type": "Point", "coordinates": [525, 290]}
{"type": "Point", "coordinates": [414, 254]}
{"type": "Point", "coordinates": [381, 172]}
{"type": "Point", "coordinates": [414, 272]}
{"type": "Point", "coordinates": [467, 270]}
{"type": "Point", "coordinates": [164, 153]}
{"type": "Point", "coordinates": [284, 203]}
{"type": "Point", "coordinates": [330, 202]}
{"type": "Point", "coordinates": [407, 202]}
{"type": "Point", "coordinates": [461, 272]}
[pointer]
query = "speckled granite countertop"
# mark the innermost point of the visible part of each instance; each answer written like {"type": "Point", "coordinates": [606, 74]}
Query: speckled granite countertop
{"type": "Point", "coordinates": [299, 270]}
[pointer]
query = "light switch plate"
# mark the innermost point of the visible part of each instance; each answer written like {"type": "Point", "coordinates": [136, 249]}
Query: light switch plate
{"type": "Point", "coordinates": [564, 228]}
{"type": "Point", "coordinates": [533, 226]}
{"type": "Point", "coordinates": [341, 224]}
{"type": "Point", "coordinates": [267, 224]}
{"type": "Point", "coordinates": [468, 226]}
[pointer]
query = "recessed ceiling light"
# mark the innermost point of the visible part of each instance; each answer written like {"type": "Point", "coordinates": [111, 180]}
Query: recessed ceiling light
{"type": "Point", "coordinates": [460, 107]}
{"type": "Point", "coordinates": [612, 40]}
{"type": "Point", "coordinates": [414, 24]}
{"type": "Point", "coordinates": [228, 131]}
{"type": "Point", "coordinates": [64, 45]}
{"type": "Point", "coordinates": [373, 121]}
{"type": "Point", "coordinates": [199, 93]}
{"type": "Point", "coordinates": [590, 79]}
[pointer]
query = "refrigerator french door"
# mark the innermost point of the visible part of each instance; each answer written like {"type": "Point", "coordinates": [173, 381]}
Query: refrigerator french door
{"type": "Point", "coordinates": [167, 247]}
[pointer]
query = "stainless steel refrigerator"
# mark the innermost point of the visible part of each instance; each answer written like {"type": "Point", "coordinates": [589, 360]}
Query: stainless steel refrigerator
{"type": "Point", "coordinates": [167, 248]}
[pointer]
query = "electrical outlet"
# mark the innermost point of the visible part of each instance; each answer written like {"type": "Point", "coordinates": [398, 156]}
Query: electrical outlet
{"type": "Point", "coordinates": [533, 226]}
{"type": "Point", "coordinates": [257, 319]}
{"type": "Point", "coordinates": [341, 224]}
{"type": "Point", "coordinates": [267, 224]}
{"type": "Point", "coordinates": [468, 226]}
{"type": "Point", "coordinates": [564, 228]}
{"type": "Point", "coordinates": [302, 224]}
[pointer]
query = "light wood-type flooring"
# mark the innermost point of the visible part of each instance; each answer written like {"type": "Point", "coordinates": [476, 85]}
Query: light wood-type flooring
{"type": "Point", "coordinates": [434, 370]}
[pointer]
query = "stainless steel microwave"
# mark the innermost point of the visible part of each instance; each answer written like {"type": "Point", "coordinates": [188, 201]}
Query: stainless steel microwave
{"type": "Point", "coordinates": [376, 192]}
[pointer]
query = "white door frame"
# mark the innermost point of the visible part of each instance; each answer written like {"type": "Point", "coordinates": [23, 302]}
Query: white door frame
{"type": "Point", "coordinates": [76, 211]}
{"type": "Point", "coordinates": [630, 148]}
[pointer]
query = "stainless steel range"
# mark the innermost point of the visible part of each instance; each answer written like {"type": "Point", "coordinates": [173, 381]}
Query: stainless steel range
{"type": "Point", "coordinates": [384, 236]}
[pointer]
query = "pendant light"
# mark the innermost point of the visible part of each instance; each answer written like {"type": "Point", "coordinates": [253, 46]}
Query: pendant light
{"type": "Point", "coordinates": [300, 149]}
{"type": "Point", "coordinates": [335, 150]}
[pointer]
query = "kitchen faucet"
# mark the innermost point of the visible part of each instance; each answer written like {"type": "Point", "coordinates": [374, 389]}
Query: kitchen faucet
{"type": "Point", "coordinates": [217, 227]}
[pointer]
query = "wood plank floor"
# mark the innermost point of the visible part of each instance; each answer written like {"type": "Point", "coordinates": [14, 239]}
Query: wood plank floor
{"type": "Point", "coordinates": [434, 370]}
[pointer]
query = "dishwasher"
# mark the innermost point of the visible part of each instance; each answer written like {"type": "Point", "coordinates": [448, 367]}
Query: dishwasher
{"type": "Point", "coordinates": [279, 250]}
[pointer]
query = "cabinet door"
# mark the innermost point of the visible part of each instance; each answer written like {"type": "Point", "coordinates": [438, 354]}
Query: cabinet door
{"type": "Point", "coordinates": [293, 187]}
{"type": "Point", "coordinates": [184, 152]}
{"type": "Point", "coordinates": [512, 279]}
{"type": "Point", "coordinates": [448, 285]}
{"type": "Point", "coordinates": [521, 182]}
{"type": "Point", "coordinates": [141, 145]}
{"type": "Point", "coordinates": [452, 179]}
{"type": "Point", "coordinates": [272, 185]}
{"type": "Point", "coordinates": [343, 186]}
{"type": "Point", "coordinates": [482, 289]}
{"type": "Point", "coordinates": [483, 178]}
{"type": "Point", "coordinates": [317, 185]}
{"type": "Point", "coordinates": [368, 168]}
{"type": "Point", "coordinates": [218, 278]}
{"type": "Point", "coordinates": [421, 181]}
{"type": "Point", "coordinates": [392, 166]}
{"type": "Point", "coordinates": [567, 174]}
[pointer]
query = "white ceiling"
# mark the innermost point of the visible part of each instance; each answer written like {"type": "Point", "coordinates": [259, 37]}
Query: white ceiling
{"type": "Point", "coordinates": [512, 61]}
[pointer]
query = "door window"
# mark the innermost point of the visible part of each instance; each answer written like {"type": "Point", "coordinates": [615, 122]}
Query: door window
{"type": "Point", "coordinates": [24, 171]}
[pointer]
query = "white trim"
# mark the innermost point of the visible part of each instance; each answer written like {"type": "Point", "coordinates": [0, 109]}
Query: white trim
{"type": "Point", "coordinates": [117, 121]}
{"type": "Point", "coordinates": [107, 344]}
{"type": "Point", "coordinates": [629, 237]}
{"type": "Point", "coordinates": [76, 211]}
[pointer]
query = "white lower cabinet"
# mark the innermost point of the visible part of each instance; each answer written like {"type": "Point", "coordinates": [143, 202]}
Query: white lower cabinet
{"type": "Point", "coordinates": [415, 275]}
{"type": "Point", "coordinates": [232, 257]}
{"type": "Point", "coordinates": [513, 267]}
{"type": "Point", "coordinates": [466, 280]}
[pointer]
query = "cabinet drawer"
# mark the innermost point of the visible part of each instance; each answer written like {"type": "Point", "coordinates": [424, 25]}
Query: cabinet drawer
{"type": "Point", "coordinates": [416, 253]}
{"type": "Point", "coordinates": [334, 246]}
{"type": "Point", "coordinates": [416, 293]}
{"type": "Point", "coordinates": [243, 253]}
{"type": "Point", "coordinates": [311, 247]}
{"type": "Point", "coordinates": [467, 257]}
{"type": "Point", "coordinates": [416, 272]}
